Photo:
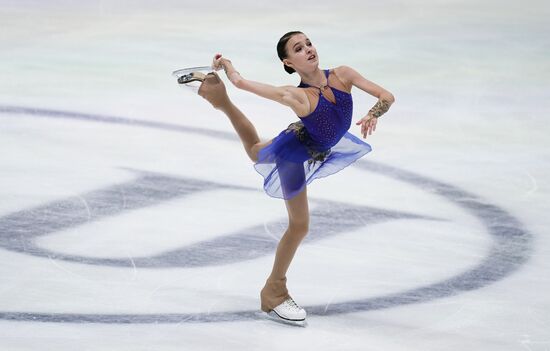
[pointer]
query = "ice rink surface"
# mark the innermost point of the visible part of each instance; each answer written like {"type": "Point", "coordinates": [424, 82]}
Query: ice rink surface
{"type": "Point", "coordinates": [131, 218]}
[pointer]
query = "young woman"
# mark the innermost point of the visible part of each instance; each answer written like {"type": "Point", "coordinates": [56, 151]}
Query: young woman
{"type": "Point", "coordinates": [315, 146]}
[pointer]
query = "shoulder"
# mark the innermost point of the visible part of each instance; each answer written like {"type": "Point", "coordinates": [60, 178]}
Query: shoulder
{"type": "Point", "coordinates": [345, 75]}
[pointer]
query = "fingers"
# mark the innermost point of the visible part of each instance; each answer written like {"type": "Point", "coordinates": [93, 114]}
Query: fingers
{"type": "Point", "coordinates": [372, 126]}
{"type": "Point", "coordinates": [216, 62]}
{"type": "Point", "coordinates": [201, 90]}
{"type": "Point", "coordinates": [368, 125]}
{"type": "Point", "coordinates": [363, 123]}
{"type": "Point", "coordinates": [209, 79]}
{"type": "Point", "coordinates": [212, 77]}
{"type": "Point", "coordinates": [211, 85]}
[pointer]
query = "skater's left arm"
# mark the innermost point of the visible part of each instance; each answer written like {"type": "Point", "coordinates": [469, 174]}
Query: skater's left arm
{"type": "Point", "coordinates": [385, 98]}
{"type": "Point", "coordinates": [286, 95]}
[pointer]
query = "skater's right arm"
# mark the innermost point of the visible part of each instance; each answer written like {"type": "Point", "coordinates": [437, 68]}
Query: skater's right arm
{"type": "Point", "coordinates": [287, 95]}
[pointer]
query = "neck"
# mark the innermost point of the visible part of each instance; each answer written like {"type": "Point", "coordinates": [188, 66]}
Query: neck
{"type": "Point", "coordinates": [315, 78]}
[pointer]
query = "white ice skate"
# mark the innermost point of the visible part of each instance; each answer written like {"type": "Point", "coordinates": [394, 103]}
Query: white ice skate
{"type": "Point", "coordinates": [289, 312]}
{"type": "Point", "coordinates": [192, 77]}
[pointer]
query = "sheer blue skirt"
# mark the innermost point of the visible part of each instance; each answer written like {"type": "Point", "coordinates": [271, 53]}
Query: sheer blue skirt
{"type": "Point", "coordinates": [288, 164]}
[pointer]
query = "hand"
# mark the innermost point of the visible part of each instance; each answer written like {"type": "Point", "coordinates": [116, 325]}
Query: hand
{"type": "Point", "coordinates": [218, 62]}
{"type": "Point", "coordinates": [213, 90]}
{"type": "Point", "coordinates": [368, 125]}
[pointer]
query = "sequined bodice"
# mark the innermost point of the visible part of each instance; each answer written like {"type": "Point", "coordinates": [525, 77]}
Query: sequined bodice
{"type": "Point", "coordinates": [329, 122]}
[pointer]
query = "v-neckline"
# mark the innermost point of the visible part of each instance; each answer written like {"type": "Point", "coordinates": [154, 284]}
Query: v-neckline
{"type": "Point", "coordinates": [324, 97]}
{"type": "Point", "coordinates": [335, 103]}
{"type": "Point", "coordinates": [319, 103]}
{"type": "Point", "coordinates": [327, 74]}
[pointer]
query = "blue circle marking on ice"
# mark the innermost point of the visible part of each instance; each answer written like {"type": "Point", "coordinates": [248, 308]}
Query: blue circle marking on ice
{"type": "Point", "coordinates": [511, 244]}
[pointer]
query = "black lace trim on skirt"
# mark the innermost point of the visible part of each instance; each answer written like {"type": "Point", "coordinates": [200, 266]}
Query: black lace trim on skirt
{"type": "Point", "coordinates": [301, 132]}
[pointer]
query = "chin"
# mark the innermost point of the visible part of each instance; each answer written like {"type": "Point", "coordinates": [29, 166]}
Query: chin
{"type": "Point", "coordinates": [311, 66]}
{"type": "Point", "coordinates": [314, 63]}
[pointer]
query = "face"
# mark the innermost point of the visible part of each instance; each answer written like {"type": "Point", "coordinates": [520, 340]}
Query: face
{"type": "Point", "coordinates": [302, 55]}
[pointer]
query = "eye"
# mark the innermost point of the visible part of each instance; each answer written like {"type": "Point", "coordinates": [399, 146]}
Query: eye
{"type": "Point", "coordinates": [298, 49]}
{"type": "Point", "coordinates": [308, 44]}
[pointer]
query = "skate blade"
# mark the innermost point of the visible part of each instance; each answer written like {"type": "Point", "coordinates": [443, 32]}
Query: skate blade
{"type": "Point", "coordinates": [184, 71]}
{"type": "Point", "coordinates": [272, 315]}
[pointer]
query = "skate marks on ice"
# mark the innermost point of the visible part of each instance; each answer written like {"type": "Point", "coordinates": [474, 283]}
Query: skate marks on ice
{"type": "Point", "coordinates": [19, 231]}
{"type": "Point", "coordinates": [511, 247]}
{"type": "Point", "coordinates": [511, 244]}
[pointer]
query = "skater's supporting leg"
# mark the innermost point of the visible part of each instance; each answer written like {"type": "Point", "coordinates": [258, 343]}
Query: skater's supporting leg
{"type": "Point", "coordinates": [213, 90]}
{"type": "Point", "coordinates": [292, 178]}
{"type": "Point", "coordinates": [298, 226]}
{"type": "Point", "coordinates": [275, 292]}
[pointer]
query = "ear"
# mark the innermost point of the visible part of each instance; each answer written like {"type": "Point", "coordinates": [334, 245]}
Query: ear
{"type": "Point", "coordinates": [288, 63]}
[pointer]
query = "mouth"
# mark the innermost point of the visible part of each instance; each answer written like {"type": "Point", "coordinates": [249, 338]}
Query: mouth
{"type": "Point", "coordinates": [311, 57]}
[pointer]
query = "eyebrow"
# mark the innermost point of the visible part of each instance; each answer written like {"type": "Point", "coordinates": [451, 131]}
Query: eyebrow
{"type": "Point", "coordinates": [293, 46]}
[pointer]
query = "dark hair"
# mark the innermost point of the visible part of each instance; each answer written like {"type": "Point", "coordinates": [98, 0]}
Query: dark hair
{"type": "Point", "coordinates": [281, 49]}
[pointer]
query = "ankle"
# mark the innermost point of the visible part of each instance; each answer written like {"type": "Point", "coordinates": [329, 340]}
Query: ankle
{"type": "Point", "coordinates": [272, 279]}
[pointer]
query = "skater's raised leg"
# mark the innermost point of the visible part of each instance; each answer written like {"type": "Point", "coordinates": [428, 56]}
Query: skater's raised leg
{"type": "Point", "coordinates": [213, 90]}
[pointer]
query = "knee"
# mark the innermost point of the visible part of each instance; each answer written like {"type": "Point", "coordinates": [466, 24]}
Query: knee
{"type": "Point", "coordinates": [253, 155]}
{"type": "Point", "coordinates": [253, 152]}
{"type": "Point", "coordinates": [299, 228]}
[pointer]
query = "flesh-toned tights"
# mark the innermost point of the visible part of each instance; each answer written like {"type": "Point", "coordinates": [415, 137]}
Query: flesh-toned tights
{"type": "Point", "coordinates": [275, 291]}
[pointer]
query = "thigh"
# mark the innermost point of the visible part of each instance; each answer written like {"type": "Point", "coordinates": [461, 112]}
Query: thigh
{"type": "Point", "coordinates": [298, 209]}
{"type": "Point", "coordinates": [292, 178]}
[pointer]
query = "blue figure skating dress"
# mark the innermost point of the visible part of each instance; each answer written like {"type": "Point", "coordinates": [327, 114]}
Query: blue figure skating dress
{"type": "Point", "coordinates": [316, 146]}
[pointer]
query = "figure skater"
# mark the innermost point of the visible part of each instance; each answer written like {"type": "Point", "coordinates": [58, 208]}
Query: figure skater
{"type": "Point", "coordinates": [316, 145]}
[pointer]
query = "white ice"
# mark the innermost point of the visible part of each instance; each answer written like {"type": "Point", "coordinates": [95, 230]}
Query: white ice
{"type": "Point", "coordinates": [436, 240]}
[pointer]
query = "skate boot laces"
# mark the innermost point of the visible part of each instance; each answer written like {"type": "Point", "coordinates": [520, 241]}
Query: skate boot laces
{"type": "Point", "coordinates": [289, 310]}
{"type": "Point", "coordinates": [292, 304]}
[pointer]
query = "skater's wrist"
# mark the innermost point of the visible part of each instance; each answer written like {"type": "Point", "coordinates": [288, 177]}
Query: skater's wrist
{"type": "Point", "coordinates": [226, 106]}
{"type": "Point", "coordinates": [381, 107]}
{"type": "Point", "coordinates": [227, 65]}
{"type": "Point", "coordinates": [234, 77]}
{"type": "Point", "coordinates": [230, 71]}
